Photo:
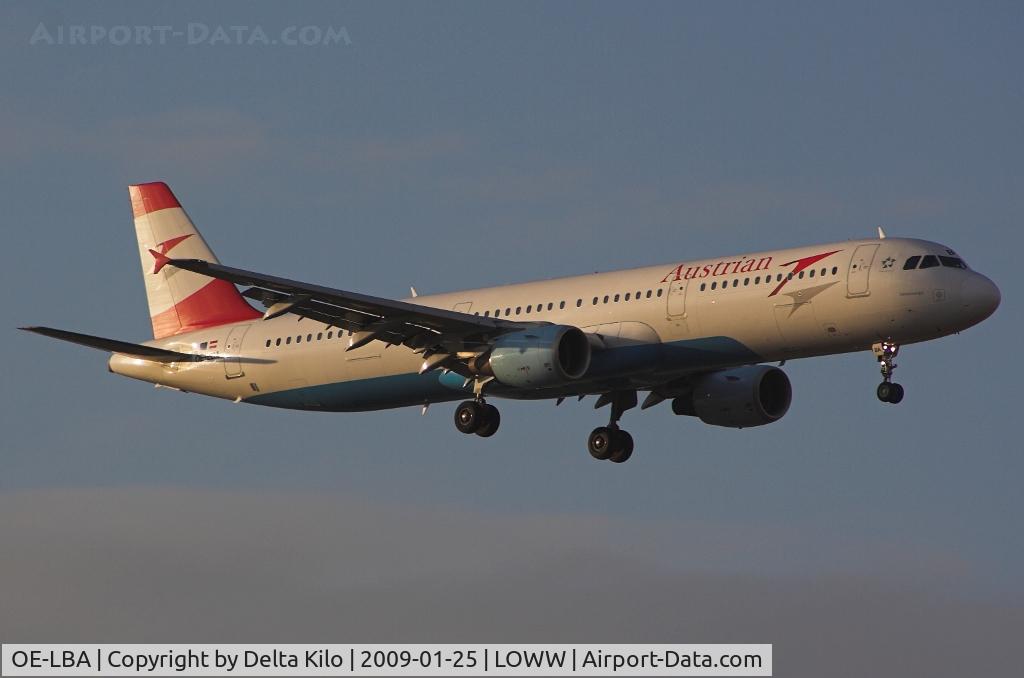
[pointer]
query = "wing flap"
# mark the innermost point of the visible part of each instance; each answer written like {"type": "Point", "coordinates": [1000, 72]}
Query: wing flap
{"type": "Point", "coordinates": [151, 353]}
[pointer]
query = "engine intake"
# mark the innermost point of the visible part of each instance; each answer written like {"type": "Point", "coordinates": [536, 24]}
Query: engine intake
{"type": "Point", "coordinates": [745, 396]}
{"type": "Point", "coordinates": [545, 356]}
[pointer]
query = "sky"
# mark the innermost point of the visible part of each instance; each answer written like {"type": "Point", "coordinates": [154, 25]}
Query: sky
{"type": "Point", "coordinates": [458, 145]}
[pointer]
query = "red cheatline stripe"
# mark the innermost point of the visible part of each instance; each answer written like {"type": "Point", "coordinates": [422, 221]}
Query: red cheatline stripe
{"type": "Point", "coordinates": [151, 197]}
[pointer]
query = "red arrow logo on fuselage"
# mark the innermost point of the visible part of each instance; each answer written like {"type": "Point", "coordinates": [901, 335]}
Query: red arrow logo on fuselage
{"type": "Point", "coordinates": [801, 264]}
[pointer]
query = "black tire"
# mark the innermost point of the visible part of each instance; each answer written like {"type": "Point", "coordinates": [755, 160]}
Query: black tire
{"type": "Point", "coordinates": [601, 443]}
{"type": "Point", "coordinates": [896, 394]}
{"type": "Point", "coordinates": [623, 447]}
{"type": "Point", "coordinates": [469, 415]}
{"type": "Point", "coordinates": [491, 422]}
{"type": "Point", "coordinates": [884, 391]}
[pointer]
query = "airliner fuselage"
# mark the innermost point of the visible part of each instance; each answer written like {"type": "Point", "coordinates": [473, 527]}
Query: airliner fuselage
{"type": "Point", "coordinates": [651, 324]}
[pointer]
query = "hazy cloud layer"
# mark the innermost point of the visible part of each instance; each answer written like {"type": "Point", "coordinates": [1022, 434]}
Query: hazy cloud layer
{"type": "Point", "coordinates": [168, 565]}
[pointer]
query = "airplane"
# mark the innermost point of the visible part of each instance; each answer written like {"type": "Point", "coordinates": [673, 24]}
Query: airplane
{"type": "Point", "coordinates": [696, 333]}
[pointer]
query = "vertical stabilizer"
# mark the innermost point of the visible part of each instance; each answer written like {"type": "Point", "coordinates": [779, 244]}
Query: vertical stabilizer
{"type": "Point", "coordinates": [179, 301]}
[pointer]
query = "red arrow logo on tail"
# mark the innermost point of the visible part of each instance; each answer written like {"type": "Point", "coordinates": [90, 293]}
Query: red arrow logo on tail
{"type": "Point", "coordinates": [165, 247]}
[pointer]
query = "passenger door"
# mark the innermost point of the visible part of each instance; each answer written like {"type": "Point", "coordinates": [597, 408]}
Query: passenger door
{"type": "Point", "coordinates": [232, 352]}
{"type": "Point", "coordinates": [857, 279]}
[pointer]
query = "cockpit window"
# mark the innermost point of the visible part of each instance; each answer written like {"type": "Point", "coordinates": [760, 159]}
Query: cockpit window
{"type": "Point", "coordinates": [953, 262]}
{"type": "Point", "coordinates": [929, 261]}
{"type": "Point", "coordinates": [911, 263]}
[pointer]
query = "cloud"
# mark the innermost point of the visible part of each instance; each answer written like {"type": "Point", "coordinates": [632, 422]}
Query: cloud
{"type": "Point", "coordinates": [172, 565]}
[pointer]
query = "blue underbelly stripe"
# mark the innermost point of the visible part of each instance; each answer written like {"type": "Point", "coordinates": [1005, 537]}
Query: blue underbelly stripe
{"type": "Point", "coordinates": [403, 390]}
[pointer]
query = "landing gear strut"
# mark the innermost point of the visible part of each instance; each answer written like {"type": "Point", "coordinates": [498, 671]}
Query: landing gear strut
{"type": "Point", "coordinates": [610, 442]}
{"type": "Point", "coordinates": [888, 391]}
{"type": "Point", "coordinates": [476, 416]}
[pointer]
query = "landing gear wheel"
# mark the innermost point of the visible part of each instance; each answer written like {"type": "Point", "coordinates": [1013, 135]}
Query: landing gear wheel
{"type": "Point", "coordinates": [469, 416]}
{"type": "Point", "coordinates": [490, 423]}
{"type": "Point", "coordinates": [889, 392]}
{"type": "Point", "coordinates": [624, 447]}
{"type": "Point", "coordinates": [601, 443]}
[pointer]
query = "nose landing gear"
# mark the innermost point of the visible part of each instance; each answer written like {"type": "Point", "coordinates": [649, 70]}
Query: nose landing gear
{"type": "Point", "coordinates": [888, 391]}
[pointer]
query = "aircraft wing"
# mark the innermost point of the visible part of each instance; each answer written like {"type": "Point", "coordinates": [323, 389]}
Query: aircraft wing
{"type": "Point", "coordinates": [433, 330]}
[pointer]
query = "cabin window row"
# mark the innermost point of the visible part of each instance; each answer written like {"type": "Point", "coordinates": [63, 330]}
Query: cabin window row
{"type": "Point", "coordinates": [550, 306]}
{"type": "Point", "coordinates": [307, 338]}
{"type": "Point", "coordinates": [768, 279]}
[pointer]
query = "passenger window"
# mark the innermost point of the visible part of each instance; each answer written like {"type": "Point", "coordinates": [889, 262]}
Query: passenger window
{"type": "Point", "coordinates": [519, 309]}
{"type": "Point", "coordinates": [298, 339]}
{"type": "Point", "coordinates": [561, 305]}
{"type": "Point", "coordinates": [714, 285]}
{"type": "Point", "coordinates": [278, 342]}
{"type": "Point", "coordinates": [648, 294]}
{"type": "Point", "coordinates": [309, 337]}
{"type": "Point", "coordinates": [801, 276]}
{"type": "Point", "coordinates": [952, 262]}
{"type": "Point", "coordinates": [627, 297]}
{"type": "Point", "coordinates": [637, 294]}
{"type": "Point", "coordinates": [835, 269]}
{"type": "Point", "coordinates": [929, 261]}
{"type": "Point", "coordinates": [660, 291]}
{"type": "Point", "coordinates": [757, 280]}
{"type": "Point", "coordinates": [811, 274]}
{"type": "Point", "coordinates": [579, 302]}
{"type": "Point", "coordinates": [823, 272]}
{"type": "Point", "coordinates": [703, 286]}
{"type": "Point", "coordinates": [288, 340]}
{"type": "Point", "coordinates": [746, 281]}
{"type": "Point", "coordinates": [508, 312]}
{"type": "Point", "coordinates": [736, 282]}
{"type": "Point", "coordinates": [616, 299]}
{"type": "Point", "coordinates": [595, 301]}
{"type": "Point", "coordinates": [268, 343]}
{"type": "Point", "coordinates": [606, 298]}
{"type": "Point", "coordinates": [911, 263]}
{"type": "Point", "coordinates": [528, 308]}
{"type": "Point", "coordinates": [330, 335]}
{"type": "Point", "coordinates": [778, 277]}
{"type": "Point", "coordinates": [319, 336]}
{"type": "Point", "coordinates": [551, 305]}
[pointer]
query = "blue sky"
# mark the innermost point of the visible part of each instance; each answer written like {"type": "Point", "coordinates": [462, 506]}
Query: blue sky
{"type": "Point", "coordinates": [461, 145]}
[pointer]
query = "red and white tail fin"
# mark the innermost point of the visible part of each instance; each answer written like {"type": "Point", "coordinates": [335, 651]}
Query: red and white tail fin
{"type": "Point", "coordinates": [179, 301]}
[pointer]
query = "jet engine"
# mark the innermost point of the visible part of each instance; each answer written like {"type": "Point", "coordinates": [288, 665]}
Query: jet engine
{"type": "Point", "coordinates": [548, 355]}
{"type": "Point", "coordinates": [754, 395]}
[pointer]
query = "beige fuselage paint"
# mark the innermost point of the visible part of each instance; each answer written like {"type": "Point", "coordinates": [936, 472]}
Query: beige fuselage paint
{"type": "Point", "coordinates": [807, 315]}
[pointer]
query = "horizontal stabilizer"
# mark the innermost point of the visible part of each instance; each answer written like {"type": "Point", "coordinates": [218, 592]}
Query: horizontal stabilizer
{"type": "Point", "coordinates": [159, 355]}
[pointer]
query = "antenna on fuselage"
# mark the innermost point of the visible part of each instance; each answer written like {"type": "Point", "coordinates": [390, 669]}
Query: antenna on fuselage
{"type": "Point", "coordinates": [413, 291]}
{"type": "Point", "coordinates": [881, 233]}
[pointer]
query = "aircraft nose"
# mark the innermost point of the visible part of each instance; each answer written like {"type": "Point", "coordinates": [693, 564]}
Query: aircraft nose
{"type": "Point", "coordinates": [980, 296]}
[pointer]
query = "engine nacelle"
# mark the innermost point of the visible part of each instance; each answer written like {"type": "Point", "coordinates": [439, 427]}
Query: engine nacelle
{"type": "Point", "coordinates": [544, 356]}
{"type": "Point", "coordinates": [745, 396]}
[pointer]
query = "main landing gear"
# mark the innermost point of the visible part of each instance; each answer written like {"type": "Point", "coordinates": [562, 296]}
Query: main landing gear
{"type": "Point", "coordinates": [476, 416]}
{"type": "Point", "coordinates": [888, 391]}
{"type": "Point", "coordinates": [610, 442]}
